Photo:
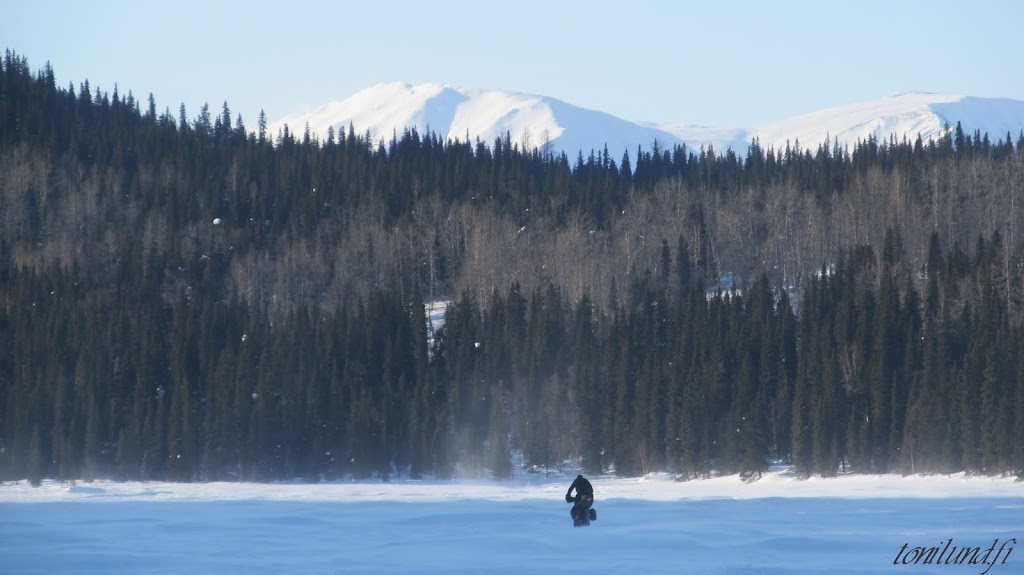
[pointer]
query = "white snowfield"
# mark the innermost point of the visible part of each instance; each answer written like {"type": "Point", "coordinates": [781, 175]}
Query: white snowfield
{"type": "Point", "coordinates": [948, 525]}
{"type": "Point", "coordinates": [653, 487]}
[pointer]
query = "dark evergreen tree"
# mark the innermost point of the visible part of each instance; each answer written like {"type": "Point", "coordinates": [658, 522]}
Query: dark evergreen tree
{"type": "Point", "coordinates": [186, 301]}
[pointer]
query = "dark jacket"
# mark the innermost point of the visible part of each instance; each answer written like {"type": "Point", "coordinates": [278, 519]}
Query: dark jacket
{"type": "Point", "coordinates": [582, 487]}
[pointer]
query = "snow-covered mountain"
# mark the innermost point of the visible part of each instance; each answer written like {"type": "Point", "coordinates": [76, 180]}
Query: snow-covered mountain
{"type": "Point", "coordinates": [902, 115]}
{"type": "Point", "coordinates": [458, 113]}
{"type": "Point", "coordinates": [535, 121]}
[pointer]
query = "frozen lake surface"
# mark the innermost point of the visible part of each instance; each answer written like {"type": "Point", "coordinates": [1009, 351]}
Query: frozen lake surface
{"type": "Point", "coordinates": [779, 525]}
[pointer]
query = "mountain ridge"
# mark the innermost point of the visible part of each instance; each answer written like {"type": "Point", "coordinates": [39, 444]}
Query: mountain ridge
{"type": "Point", "coordinates": [536, 121]}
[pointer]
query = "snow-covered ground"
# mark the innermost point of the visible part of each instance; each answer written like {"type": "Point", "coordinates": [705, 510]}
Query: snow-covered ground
{"type": "Point", "coordinates": [778, 525]}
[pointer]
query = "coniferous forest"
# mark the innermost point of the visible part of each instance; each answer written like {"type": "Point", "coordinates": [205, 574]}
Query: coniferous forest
{"type": "Point", "coordinates": [184, 297]}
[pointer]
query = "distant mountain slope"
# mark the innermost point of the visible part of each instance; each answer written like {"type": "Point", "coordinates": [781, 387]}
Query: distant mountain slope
{"type": "Point", "coordinates": [901, 115]}
{"type": "Point", "coordinates": [458, 113]}
{"type": "Point", "coordinates": [535, 121]}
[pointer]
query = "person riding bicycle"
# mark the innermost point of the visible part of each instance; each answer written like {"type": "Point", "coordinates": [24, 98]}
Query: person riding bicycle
{"type": "Point", "coordinates": [583, 499]}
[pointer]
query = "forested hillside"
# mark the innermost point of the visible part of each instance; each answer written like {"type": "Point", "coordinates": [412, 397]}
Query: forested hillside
{"type": "Point", "coordinates": [185, 298]}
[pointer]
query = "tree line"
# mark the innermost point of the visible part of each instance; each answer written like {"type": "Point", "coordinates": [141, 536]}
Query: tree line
{"type": "Point", "coordinates": [186, 299]}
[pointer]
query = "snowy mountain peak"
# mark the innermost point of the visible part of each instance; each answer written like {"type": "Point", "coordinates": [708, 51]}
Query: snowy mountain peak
{"type": "Point", "coordinates": [904, 115]}
{"type": "Point", "coordinates": [381, 110]}
{"type": "Point", "coordinates": [534, 121]}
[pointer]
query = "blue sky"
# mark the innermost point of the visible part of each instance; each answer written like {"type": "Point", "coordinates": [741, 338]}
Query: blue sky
{"type": "Point", "coordinates": [729, 64]}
